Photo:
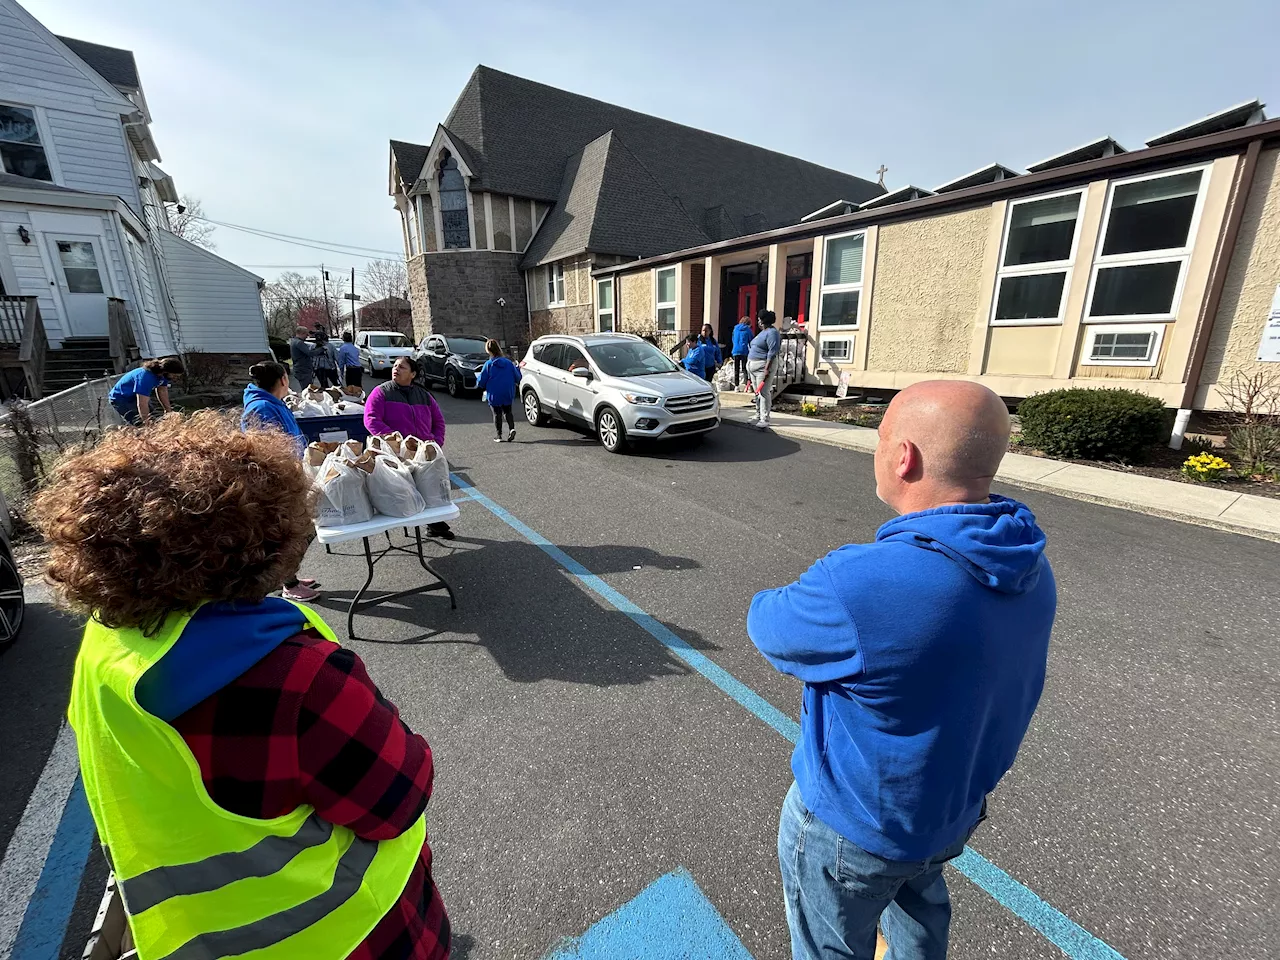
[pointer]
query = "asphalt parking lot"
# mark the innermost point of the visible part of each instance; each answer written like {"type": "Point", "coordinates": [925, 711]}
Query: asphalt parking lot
{"type": "Point", "coordinates": [584, 749]}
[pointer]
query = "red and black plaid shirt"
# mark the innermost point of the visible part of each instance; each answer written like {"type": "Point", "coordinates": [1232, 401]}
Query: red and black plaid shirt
{"type": "Point", "coordinates": [307, 725]}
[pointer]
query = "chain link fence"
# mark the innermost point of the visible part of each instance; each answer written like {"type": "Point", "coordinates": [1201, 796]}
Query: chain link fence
{"type": "Point", "coordinates": [34, 435]}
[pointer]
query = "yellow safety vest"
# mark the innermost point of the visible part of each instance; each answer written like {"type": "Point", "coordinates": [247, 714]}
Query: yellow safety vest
{"type": "Point", "coordinates": [199, 882]}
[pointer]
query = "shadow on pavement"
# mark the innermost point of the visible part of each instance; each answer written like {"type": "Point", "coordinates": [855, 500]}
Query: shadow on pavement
{"type": "Point", "coordinates": [531, 616]}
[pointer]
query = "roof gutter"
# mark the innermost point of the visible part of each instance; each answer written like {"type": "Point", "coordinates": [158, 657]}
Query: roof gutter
{"type": "Point", "coordinates": [1221, 267]}
{"type": "Point", "coordinates": [1214, 144]}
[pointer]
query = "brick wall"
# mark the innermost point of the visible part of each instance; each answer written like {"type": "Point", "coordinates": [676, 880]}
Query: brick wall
{"type": "Point", "coordinates": [457, 294]}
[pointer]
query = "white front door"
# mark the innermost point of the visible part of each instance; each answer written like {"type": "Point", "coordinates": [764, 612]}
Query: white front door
{"type": "Point", "coordinates": [79, 269]}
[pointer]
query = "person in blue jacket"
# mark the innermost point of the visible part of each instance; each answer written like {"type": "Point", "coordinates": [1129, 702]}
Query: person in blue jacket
{"type": "Point", "coordinates": [264, 409]}
{"type": "Point", "coordinates": [498, 378]}
{"type": "Point", "coordinates": [699, 357]}
{"type": "Point", "coordinates": [742, 335]}
{"type": "Point", "coordinates": [923, 658]}
{"type": "Point", "coordinates": [131, 394]}
{"type": "Point", "coordinates": [717, 356]}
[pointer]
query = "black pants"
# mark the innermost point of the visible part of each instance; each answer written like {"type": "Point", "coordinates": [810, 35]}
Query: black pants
{"type": "Point", "coordinates": [355, 377]}
{"type": "Point", "coordinates": [498, 413]}
{"type": "Point", "coordinates": [327, 377]}
{"type": "Point", "coordinates": [739, 368]}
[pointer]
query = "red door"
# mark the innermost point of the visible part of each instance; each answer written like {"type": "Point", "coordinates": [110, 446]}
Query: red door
{"type": "Point", "coordinates": [747, 297]}
{"type": "Point", "coordinates": [803, 310]}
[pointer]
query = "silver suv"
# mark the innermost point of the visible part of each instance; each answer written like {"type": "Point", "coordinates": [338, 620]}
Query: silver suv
{"type": "Point", "coordinates": [616, 384]}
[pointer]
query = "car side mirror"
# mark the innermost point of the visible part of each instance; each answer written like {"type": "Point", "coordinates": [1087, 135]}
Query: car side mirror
{"type": "Point", "coordinates": [583, 373]}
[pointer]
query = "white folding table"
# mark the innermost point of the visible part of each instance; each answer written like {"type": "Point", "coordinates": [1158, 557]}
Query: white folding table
{"type": "Point", "coordinates": [384, 524]}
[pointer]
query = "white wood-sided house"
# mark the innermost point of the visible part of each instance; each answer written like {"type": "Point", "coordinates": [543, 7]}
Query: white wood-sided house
{"type": "Point", "coordinates": [89, 270]}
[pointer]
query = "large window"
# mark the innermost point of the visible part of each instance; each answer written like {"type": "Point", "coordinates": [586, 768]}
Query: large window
{"type": "Point", "coordinates": [1124, 345]}
{"type": "Point", "coordinates": [1147, 237]}
{"type": "Point", "coordinates": [21, 150]}
{"type": "Point", "coordinates": [666, 298]}
{"type": "Point", "coordinates": [455, 220]}
{"type": "Point", "coordinates": [604, 306]}
{"type": "Point", "coordinates": [555, 285]}
{"type": "Point", "coordinates": [842, 280]}
{"type": "Point", "coordinates": [1035, 260]}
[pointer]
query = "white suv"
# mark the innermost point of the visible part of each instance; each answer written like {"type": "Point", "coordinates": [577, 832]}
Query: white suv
{"type": "Point", "coordinates": [617, 385]}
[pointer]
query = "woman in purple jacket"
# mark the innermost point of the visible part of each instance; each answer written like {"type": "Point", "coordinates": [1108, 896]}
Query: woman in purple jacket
{"type": "Point", "coordinates": [402, 406]}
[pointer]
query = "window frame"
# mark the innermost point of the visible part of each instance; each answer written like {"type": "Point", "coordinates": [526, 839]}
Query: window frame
{"type": "Point", "coordinates": [613, 305]}
{"type": "Point", "coordinates": [1044, 267]}
{"type": "Point", "coordinates": [824, 288]}
{"type": "Point", "coordinates": [1156, 329]}
{"type": "Point", "coordinates": [661, 305]}
{"type": "Point", "coordinates": [1180, 255]}
{"type": "Point", "coordinates": [555, 284]}
{"type": "Point", "coordinates": [46, 140]}
{"type": "Point", "coordinates": [846, 340]}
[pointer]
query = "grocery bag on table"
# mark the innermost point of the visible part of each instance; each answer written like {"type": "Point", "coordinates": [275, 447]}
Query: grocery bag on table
{"type": "Point", "coordinates": [343, 498]}
{"type": "Point", "coordinates": [386, 444]}
{"type": "Point", "coordinates": [333, 394]}
{"type": "Point", "coordinates": [430, 469]}
{"type": "Point", "coordinates": [348, 408]}
{"type": "Point", "coordinates": [311, 408]}
{"type": "Point", "coordinates": [390, 485]}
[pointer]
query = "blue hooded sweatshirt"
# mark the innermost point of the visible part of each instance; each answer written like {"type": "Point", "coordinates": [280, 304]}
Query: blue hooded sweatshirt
{"type": "Point", "coordinates": [264, 409]}
{"type": "Point", "coordinates": [923, 658]}
{"type": "Point", "coordinates": [499, 377]}
{"type": "Point", "coordinates": [742, 339]}
{"type": "Point", "coordinates": [700, 359]}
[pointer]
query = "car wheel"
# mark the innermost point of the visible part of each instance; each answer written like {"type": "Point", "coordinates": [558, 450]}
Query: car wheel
{"type": "Point", "coordinates": [454, 384]}
{"type": "Point", "coordinates": [533, 409]}
{"type": "Point", "coordinates": [609, 428]}
{"type": "Point", "coordinates": [13, 604]}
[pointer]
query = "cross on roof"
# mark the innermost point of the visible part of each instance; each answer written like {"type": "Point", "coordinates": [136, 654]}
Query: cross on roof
{"type": "Point", "coordinates": [881, 172]}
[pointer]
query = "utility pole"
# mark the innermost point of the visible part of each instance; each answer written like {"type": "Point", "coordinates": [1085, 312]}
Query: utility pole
{"type": "Point", "coordinates": [324, 287]}
{"type": "Point", "coordinates": [353, 297]}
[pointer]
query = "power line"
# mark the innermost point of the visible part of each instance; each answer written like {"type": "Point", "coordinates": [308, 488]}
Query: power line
{"type": "Point", "coordinates": [372, 253]}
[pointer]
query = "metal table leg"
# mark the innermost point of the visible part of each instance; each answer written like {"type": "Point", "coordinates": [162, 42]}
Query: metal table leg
{"type": "Point", "coordinates": [358, 602]}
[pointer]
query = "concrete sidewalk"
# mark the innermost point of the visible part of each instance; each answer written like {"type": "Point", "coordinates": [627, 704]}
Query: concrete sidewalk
{"type": "Point", "coordinates": [1208, 506]}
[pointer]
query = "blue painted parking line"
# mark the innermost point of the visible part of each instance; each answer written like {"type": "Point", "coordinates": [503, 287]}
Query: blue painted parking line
{"type": "Point", "coordinates": [1059, 929]}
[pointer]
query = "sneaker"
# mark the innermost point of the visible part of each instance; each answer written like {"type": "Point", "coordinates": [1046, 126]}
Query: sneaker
{"type": "Point", "coordinates": [301, 592]}
{"type": "Point", "coordinates": [762, 425]}
{"type": "Point", "coordinates": [512, 435]}
{"type": "Point", "coordinates": [497, 439]}
{"type": "Point", "coordinates": [309, 581]}
{"type": "Point", "coordinates": [440, 530]}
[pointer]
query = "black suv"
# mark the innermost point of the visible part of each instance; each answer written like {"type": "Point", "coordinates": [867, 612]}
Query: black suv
{"type": "Point", "coordinates": [12, 602]}
{"type": "Point", "coordinates": [453, 361]}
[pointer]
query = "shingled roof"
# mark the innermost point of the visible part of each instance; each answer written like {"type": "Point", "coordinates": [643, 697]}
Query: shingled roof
{"type": "Point", "coordinates": [114, 65]}
{"type": "Point", "coordinates": [409, 160]}
{"type": "Point", "coordinates": [609, 203]}
{"type": "Point", "coordinates": [530, 140]}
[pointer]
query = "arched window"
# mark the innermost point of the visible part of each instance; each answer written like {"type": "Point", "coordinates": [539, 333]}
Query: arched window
{"type": "Point", "coordinates": [453, 205]}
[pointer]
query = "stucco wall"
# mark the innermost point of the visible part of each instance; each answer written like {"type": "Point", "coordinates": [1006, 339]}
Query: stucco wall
{"type": "Point", "coordinates": [928, 283]}
{"type": "Point", "coordinates": [1251, 280]}
{"type": "Point", "coordinates": [562, 320]}
{"type": "Point", "coordinates": [636, 308]}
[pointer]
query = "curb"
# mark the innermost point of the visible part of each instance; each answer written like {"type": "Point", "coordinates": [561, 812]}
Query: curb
{"type": "Point", "coordinates": [786, 425]}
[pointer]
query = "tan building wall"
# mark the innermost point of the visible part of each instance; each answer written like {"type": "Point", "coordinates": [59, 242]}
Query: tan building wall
{"type": "Point", "coordinates": [636, 307]}
{"type": "Point", "coordinates": [928, 282]}
{"type": "Point", "coordinates": [1251, 284]}
{"type": "Point", "coordinates": [1022, 351]}
{"type": "Point", "coordinates": [577, 315]}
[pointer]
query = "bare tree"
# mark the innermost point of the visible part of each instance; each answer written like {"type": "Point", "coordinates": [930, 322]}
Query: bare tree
{"type": "Point", "coordinates": [186, 220]}
{"type": "Point", "coordinates": [385, 293]}
{"type": "Point", "coordinates": [1252, 399]}
{"type": "Point", "coordinates": [295, 299]}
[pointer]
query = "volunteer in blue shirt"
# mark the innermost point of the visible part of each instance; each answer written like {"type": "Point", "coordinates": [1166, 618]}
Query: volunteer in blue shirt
{"type": "Point", "coordinates": [131, 395]}
{"type": "Point", "coordinates": [349, 361]}
{"type": "Point", "coordinates": [717, 354]}
{"type": "Point", "coordinates": [923, 658]}
{"type": "Point", "coordinates": [699, 357]}
{"type": "Point", "coordinates": [498, 379]}
{"type": "Point", "coordinates": [742, 335]}
{"type": "Point", "coordinates": [762, 361]}
{"type": "Point", "coordinates": [264, 409]}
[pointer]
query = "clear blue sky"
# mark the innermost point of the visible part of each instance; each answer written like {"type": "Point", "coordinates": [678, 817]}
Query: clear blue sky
{"type": "Point", "coordinates": [277, 114]}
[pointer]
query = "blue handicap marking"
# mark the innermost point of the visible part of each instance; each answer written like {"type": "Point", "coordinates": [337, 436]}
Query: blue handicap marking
{"type": "Point", "coordinates": [671, 919]}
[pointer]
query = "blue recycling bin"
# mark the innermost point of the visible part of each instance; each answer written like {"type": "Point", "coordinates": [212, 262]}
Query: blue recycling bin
{"type": "Point", "coordinates": [334, 429]}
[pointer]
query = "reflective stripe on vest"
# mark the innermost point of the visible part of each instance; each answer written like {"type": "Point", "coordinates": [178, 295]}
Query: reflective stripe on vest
{"type": "Point", "coordinates": [199, 882]}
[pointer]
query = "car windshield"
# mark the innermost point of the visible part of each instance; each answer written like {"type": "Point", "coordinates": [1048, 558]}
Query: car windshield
{"type": "Point", "coordinates": [465, 344]}
{"type": "Point", "coordinates": [388, 340]}
{"type": "Point", "coordinates": [630, 358]}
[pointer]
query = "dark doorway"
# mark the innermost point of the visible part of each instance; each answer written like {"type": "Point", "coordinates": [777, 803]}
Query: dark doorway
{"type": "Point", "coordinates": [744, 289]}
{"type": "Point", "coordinates": [799, 280]}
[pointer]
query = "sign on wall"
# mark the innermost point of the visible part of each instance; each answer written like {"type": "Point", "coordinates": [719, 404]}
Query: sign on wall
{"type": "Point", "coordinates": [1269, 348]}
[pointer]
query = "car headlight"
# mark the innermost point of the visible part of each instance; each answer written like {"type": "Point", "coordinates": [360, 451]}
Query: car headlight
{"type": "Point", "coordinates": [640, 398]}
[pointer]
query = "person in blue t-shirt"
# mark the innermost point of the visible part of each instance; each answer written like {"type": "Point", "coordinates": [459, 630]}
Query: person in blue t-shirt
{"type": "Point", "coordinates": [498, 379]}
{"type": "Point", "coordinates": [131, 395]}
{"type": "Point", "coordinates": [923, 658]}
{"type": "Point", "coordinates": [349, 362]}
{"type": "Point", "coordinates": [742, 335]}
{"type": "Point", "coordinates": [717, 354]}
{"type": "Point", "coordinates": [699, 357]}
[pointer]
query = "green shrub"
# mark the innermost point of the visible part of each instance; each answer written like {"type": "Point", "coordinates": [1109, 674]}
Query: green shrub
{"type": "Point", "coordinates": [1256, 447]}
{"type": "Point", "coordinates": [1093, 424]}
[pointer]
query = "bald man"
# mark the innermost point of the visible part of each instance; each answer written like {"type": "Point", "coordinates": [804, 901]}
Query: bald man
{"type": "Point", "coordinates": [923, 658]}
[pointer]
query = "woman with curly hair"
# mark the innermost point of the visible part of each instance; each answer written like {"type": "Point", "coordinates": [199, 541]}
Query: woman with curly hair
{"type": "Point", "coordinates": [253, 789]}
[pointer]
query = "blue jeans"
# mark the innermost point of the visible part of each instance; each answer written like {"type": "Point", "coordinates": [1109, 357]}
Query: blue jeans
{"type": "Point", "coordinates": [128, 409]}
{"type": "Point", "coordinates": [837, 893]}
